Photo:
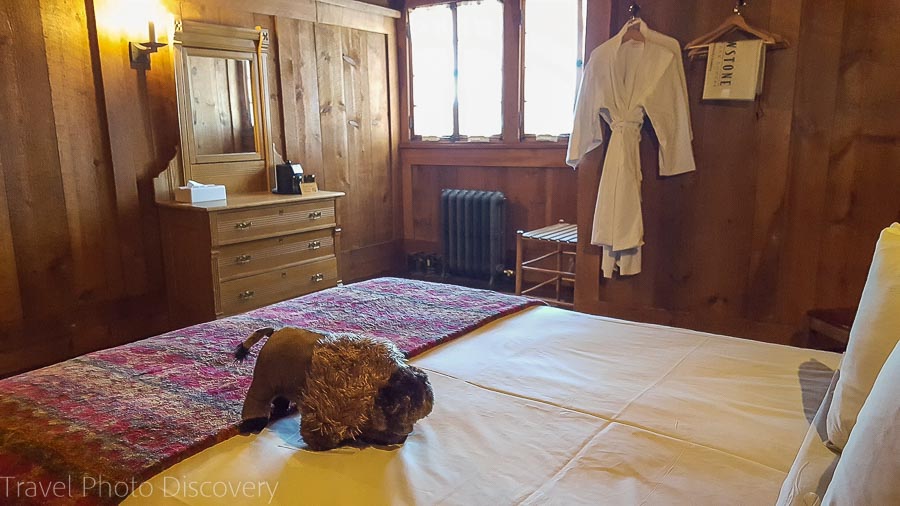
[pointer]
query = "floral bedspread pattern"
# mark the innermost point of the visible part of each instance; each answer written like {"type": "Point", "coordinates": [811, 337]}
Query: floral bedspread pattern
{"type": "Point", "coordinates": [102, 423]}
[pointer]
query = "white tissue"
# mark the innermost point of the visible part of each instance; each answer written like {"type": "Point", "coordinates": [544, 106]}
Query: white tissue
{"type": "Point", "coordinates": [199, 192]}
{"type": "Point", "coordinates": [194, 184]}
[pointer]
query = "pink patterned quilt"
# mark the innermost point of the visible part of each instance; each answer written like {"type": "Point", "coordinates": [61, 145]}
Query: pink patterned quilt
{"type": "Point", "coordinates": [91, 429]}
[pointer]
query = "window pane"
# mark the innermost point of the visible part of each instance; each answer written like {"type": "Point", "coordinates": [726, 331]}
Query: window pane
{"type": "Point", "coordinates": [553, 61]}
{"type": "Point", "coordinates": [480, 32]}
{"type": "Point", "coordinates": [431, 43]}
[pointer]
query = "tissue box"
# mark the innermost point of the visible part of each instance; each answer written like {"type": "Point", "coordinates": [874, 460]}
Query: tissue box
{"type": "Point", "coordinates": [200, 193]}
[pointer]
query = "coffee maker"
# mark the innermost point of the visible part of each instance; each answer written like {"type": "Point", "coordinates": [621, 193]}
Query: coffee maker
{"type": "Point", "coordinates": [288, 176]}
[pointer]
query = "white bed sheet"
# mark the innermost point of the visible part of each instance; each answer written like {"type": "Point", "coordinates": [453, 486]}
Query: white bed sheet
{"type": "Point", "coordinates": [813, 468]}
{"type": "Point", "coordinates": [552, 407]}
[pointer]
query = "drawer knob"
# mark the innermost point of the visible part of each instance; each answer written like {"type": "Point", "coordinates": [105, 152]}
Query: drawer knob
{"type": "Point", "coordinates": [244, 225]}
{"type": "Point", "coordinates": [315, 215]}
{"type": "Point", "coordinates": [315, 244]}
{"type": "Point", "coordinates": [242, 259]}
{"type": "Point", "coordinates": [317, 278]}
{"type": "Point", "coordinates": [245, 295]}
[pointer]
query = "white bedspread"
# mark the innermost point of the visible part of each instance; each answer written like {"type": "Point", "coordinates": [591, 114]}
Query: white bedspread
{"type": "Point", "coordinates": [551, 407]}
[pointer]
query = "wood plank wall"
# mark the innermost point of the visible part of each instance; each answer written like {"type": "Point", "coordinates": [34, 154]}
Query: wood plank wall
{"type": "Point", "coordinates": [536, 197]}
{"type": "Point", "coordinates": [84, 135]}
{"type": "Point", "coordinates": [790, 192]}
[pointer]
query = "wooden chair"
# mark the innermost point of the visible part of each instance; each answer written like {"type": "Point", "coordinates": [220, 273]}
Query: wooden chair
{"type": "Point", "coordinates": [565, 237]}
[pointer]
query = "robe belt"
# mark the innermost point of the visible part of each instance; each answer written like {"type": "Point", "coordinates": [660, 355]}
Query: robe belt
{"type": "Point", "coordinates": [626, 125]}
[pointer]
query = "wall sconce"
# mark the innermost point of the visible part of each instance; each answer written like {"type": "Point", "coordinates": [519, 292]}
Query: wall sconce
{"type": "Point", "coordinates": [140, 52]}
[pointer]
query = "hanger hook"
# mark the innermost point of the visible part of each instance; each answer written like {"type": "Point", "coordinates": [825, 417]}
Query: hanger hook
{"type": "Point", "coordinates": [635, 10]}
{"type": "Point", "coordinates": [737, 6]}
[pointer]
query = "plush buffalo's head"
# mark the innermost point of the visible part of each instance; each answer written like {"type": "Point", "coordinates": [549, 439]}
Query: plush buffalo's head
{"type": "Point", "coordinates": [406, 399]}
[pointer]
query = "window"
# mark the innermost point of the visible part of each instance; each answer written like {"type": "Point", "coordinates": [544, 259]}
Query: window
{"type": "Point", "coordinates": [457, 60]}
{"type": "Point", "coordinates": [554, 54]}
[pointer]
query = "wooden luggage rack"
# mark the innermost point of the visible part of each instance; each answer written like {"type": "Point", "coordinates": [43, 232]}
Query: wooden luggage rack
{"type": "Point", "coordinates": [565, 237]}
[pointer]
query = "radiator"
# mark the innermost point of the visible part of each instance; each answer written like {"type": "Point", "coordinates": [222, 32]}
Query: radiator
{"type": "Point", "coordinates": [473, 225]}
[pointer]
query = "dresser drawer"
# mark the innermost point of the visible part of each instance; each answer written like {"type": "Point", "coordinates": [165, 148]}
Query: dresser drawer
{"type": "Point", "coordinates": [243, 259]}
{"type": "Point", "coordinates": [250, 292]}
{"type": "Point", "coordinates": [229, 227]}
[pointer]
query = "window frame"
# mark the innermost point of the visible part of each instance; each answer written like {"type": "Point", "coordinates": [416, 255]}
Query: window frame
{"type": "Point", "coordinates": [512, 75]}
{"type": "Point", "coordinates": [455, 136]}
{"type": "Point", "coordinates": [582, 11]}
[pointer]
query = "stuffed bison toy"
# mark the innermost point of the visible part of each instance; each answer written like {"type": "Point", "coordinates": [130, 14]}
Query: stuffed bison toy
{"type": "Point", "coordinates": [347, 388]}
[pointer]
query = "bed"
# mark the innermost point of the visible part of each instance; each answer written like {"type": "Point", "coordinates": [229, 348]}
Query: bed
{"type": "Point", "coordinates": [548, 406]}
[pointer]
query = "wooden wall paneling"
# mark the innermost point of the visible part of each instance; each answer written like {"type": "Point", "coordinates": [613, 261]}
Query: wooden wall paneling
{"type": "Point", "coordinates": [10, 304]}
{"type": "Point", "coordinates": [359, 139]}
{"type": "Point", "coordinates": [10, 301]}
{"type": "Point", "coordinates": [381, 188]}
{"type": "Point", "coordinates": [129, 129]}
{"type": "Point", "coordinates": [160, 110]}
{"type": "Point", "coordinates": [31, 164]}
{"type": "Point", "coordinates": [300, 93]}
{"type": "Point", "coordinates": [863, 179]}
{"type": "Point", "coordinates": [333, 121]}
{"type": "Point", "coordinates": [814, 107]}
{"type": "Point", "coordinates": [367, 238]}
{"type": "Point", "coordinates": [89, 194]}
{"type": "Point", "coordinates": [719, 239]}
{"type": "Point", "coordinates": [773, 134]}
{"type": "Point", "coordinates": [536, 197]}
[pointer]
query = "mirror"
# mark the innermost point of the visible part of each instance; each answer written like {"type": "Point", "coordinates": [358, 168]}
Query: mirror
{"type": "Point", "coordinates": [221, 105]}
{"type": "Point", "coordinates": [222, 90]}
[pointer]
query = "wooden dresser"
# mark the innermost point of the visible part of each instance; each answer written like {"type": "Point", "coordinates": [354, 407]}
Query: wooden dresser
{"type": "Point", "coordinates": [227, 257]}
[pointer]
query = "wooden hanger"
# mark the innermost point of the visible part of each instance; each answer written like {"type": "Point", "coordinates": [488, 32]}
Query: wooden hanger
{"type": "Point", "coordinates": [633, 30]}
{"type": "Point", "coordinates": [735, 22]}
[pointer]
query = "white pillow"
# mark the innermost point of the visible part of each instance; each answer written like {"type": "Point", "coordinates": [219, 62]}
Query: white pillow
{"type": "Point", "coordinates": [873, 336]}
{"type": "Point", "coordinates": [869, 468]}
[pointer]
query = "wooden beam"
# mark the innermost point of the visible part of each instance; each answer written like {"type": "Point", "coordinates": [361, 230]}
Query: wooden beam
{"type": "Point", "coordinates": [329, 14]}
{"type": "Point", "coordinates": [295, 9]}
{"type": "Point", "coordinates": [363, 7]}
{"type": "Point", "coordinates": [472, 156]}
{"type": "Point", "coordinates": [394, 124]}
{"type": "Point", "coordinates": [512, 70]}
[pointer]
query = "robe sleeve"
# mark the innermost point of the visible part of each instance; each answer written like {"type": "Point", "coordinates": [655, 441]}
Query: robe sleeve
{"type": "Point", "coordinates": [587, 130]}
{"type": "Point", "coordinates": [669, 112]}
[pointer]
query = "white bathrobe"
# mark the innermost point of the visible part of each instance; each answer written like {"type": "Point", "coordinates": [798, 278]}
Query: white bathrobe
{"type": "Point", "coordinates": [623, 83]}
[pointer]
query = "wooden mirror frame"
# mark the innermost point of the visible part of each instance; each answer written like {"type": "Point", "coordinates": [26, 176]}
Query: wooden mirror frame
{"type": "Point", "coordinates": [239, 172]}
